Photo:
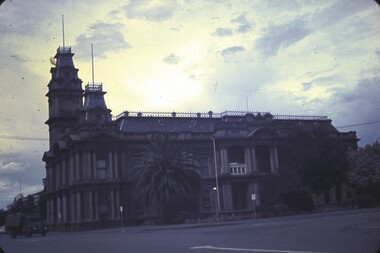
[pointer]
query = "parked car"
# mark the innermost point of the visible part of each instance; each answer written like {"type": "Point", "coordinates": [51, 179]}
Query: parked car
{"type": "Point", "coordinates": [20, 224]}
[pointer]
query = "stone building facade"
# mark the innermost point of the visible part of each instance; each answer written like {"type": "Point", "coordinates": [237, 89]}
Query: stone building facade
{"type": "Point", "coordinates": [92, 154]}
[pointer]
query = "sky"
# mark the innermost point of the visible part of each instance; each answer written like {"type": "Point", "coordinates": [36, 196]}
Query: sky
{"type": "Point", "coordinates": [280, 56]}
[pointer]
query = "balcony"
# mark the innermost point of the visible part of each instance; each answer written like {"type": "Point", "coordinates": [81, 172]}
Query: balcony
{"type": "Point", "coordinates": [237, 169]}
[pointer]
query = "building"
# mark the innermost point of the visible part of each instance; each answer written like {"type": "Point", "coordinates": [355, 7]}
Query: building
{"type": "Point", "coordinates": [92, 153]}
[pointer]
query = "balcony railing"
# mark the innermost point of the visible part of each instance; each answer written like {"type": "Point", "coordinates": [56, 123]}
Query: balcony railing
{"type": "Point", "coordinates": [237, 169]}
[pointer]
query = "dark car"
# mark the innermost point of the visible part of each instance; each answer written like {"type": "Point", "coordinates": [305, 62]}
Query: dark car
{"type": "Point", "coordinates": [19, 224]}
{"type": "Point", "coordinates": [34, 225]}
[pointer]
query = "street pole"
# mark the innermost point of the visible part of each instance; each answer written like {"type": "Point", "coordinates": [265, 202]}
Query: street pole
{"type": "Point", "coordinates": [60, 222]}
{"type": "Point", "coordinates": [216, 182]}
{"type": "Point", "coordinates": [122, 218]}
{"type": "Point", "coordinates": [254, 205]}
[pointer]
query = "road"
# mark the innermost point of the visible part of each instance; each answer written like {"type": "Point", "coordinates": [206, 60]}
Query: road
{"type": "Point", "coordinates": [355, 231]}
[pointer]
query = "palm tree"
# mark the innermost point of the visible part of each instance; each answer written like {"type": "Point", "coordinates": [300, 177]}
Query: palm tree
{"type": "Point", "coordinates": [166, 172]}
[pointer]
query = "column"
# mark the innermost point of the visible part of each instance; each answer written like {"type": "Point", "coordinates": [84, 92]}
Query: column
{"type": "Point", "coordinates": [273, 159]}
{"type": "Point", "coordinates": [79, 207]}
{"type": "Point", "coordinates": [110, 164]}
{"type": "Point", "coordinates": [224, 160]}
{"type": "Point", "coordinates": [58, 175]}
{"type": "Point", "coordinates": [96, 206]}
{"type": "Point", "coordinates": [93, 164]}
{"type": "Point", "coordinates": [256, 189]}
{"type": "Point", "coordinates": [73, 207]}
{"type": "Point", "coordinates": [77, 167]}
{"type": "Point", "coordinates": [276, 158]}
{"type": "Point", "coordinates": [89, 165]}
{"type": "Point", "coordinates": [254, 161]}
{"type": "Point", "coordinates": [247, 158]}
{"type": "Point", "coordinates": [116, 167]}
{"type": "Point", "coordinates": [59, 210]}
{"type": "Point", "coordinates": [118, 204]}
{"type": "Point", "coordinates": [113, 203]}
{"type": "Point", "coordinates": [64, 172]}
{"type": "Point", "coordinates": [90, 196]}
{"type": "Point", "coordinates": [48, 211]}
{"type": "Point", "coordinates": [64, 208]}
{"type": "Point", "coordinates": [52, 211]}
{"type": "Point", "coordinates": [71, 169]}
{"type": "Point", "coordinates": [48, 179]}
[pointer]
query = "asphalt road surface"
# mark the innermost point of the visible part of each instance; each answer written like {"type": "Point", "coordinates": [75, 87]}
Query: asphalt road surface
{"type": "Point", "coordinates": [355, 231]}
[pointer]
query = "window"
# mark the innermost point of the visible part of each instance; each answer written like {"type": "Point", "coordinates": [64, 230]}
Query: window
{"type": "Point", "coordinates": [206, 202]}
{"type": "Point", "coordinates": [203, 164]}
{"type": "Point", "coordinates": [103, 204]}
{"type": "Point", "coordinates": [263, 158]}
{"type": "Point", "coordinates": [239, 192]}
{"type": "Point", "coordinates": [236, 154]}
{"type": "Point", "coordinates": [101, 169]}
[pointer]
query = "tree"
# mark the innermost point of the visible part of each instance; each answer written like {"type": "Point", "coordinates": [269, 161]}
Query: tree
{"type": "Point", "coordinates": [166, 172]}
{"type": "Point", "coordinates": [274, 186]}
{"type": "Point", "coordinates": [364, 173]}
{"type": "Point", "coordinates": [320, 160]}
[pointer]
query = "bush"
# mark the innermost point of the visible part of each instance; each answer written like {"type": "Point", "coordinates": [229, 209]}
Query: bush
{"type": "Point", "coordinates": [266, 211]}
{"type": "Point", "coordinates": [180, 208]}
{"type": "Point", "coordinates": [362, 201]}
{"type": "Point", "coordinates": [298, 200]}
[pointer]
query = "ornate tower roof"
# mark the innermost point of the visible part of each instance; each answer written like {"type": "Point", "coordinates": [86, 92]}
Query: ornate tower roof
{"type": "Point", "coordinates": [94, 104]}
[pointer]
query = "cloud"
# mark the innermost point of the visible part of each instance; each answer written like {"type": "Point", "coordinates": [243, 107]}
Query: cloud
{"type": "Point", "coordinates": [11, 167]}
{"type": "Point", "coordinates": [16, 166]}
{"type": "Point", "coordinates": [222, 32]}
{"type": "Point", "coordinates": [172, 59]}
{"type": "Point", "coordinates": [307, 86]}
{"type": "Point", "coordinates": [105, 37]}
{"type": "Point", "coordinates": [244, 24]}
{"type": "Point", "coordinates": [155, 11]}
{"type": "Point", "coordinates": [365, 92]}
{"type": "Point", "coordinates": [281, 36]}
{"type": "Point", "coordinates": [232, 50]}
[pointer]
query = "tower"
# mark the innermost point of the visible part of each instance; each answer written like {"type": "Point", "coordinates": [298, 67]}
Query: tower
{"type": "Point", "coordinates": [95, 108]}
{"type": "Point", "coordinates": [64, 95]}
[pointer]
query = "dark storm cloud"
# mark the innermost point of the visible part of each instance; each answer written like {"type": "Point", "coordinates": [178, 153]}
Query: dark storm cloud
{"type": "Point", "coordinates": [16, 167]}
{"type": "Point", "coordinates": [358, 106]}
{"type": "Point", "coordinates": [172, 59]}
{"type": "Point", "coordinates": [244, 24]}
{"type": "Point", "coordinates": [281, 36]}
{"type": "Point", "coordinates": [105, 37]}
{"type": "Point", "coordinates": [365, 92]}
{"type": "Point", "coordinates": [149, 10]}
{"type": "Point", "coordinates": [222, 32]}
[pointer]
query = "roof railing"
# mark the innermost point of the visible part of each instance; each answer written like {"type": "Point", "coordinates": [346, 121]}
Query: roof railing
{"type": "Point", "coordinates": [64, 50]}
{"type": "Point", "coordinates": [211, 114]}
{"type": "Point", "coordinates": [94, 87]}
